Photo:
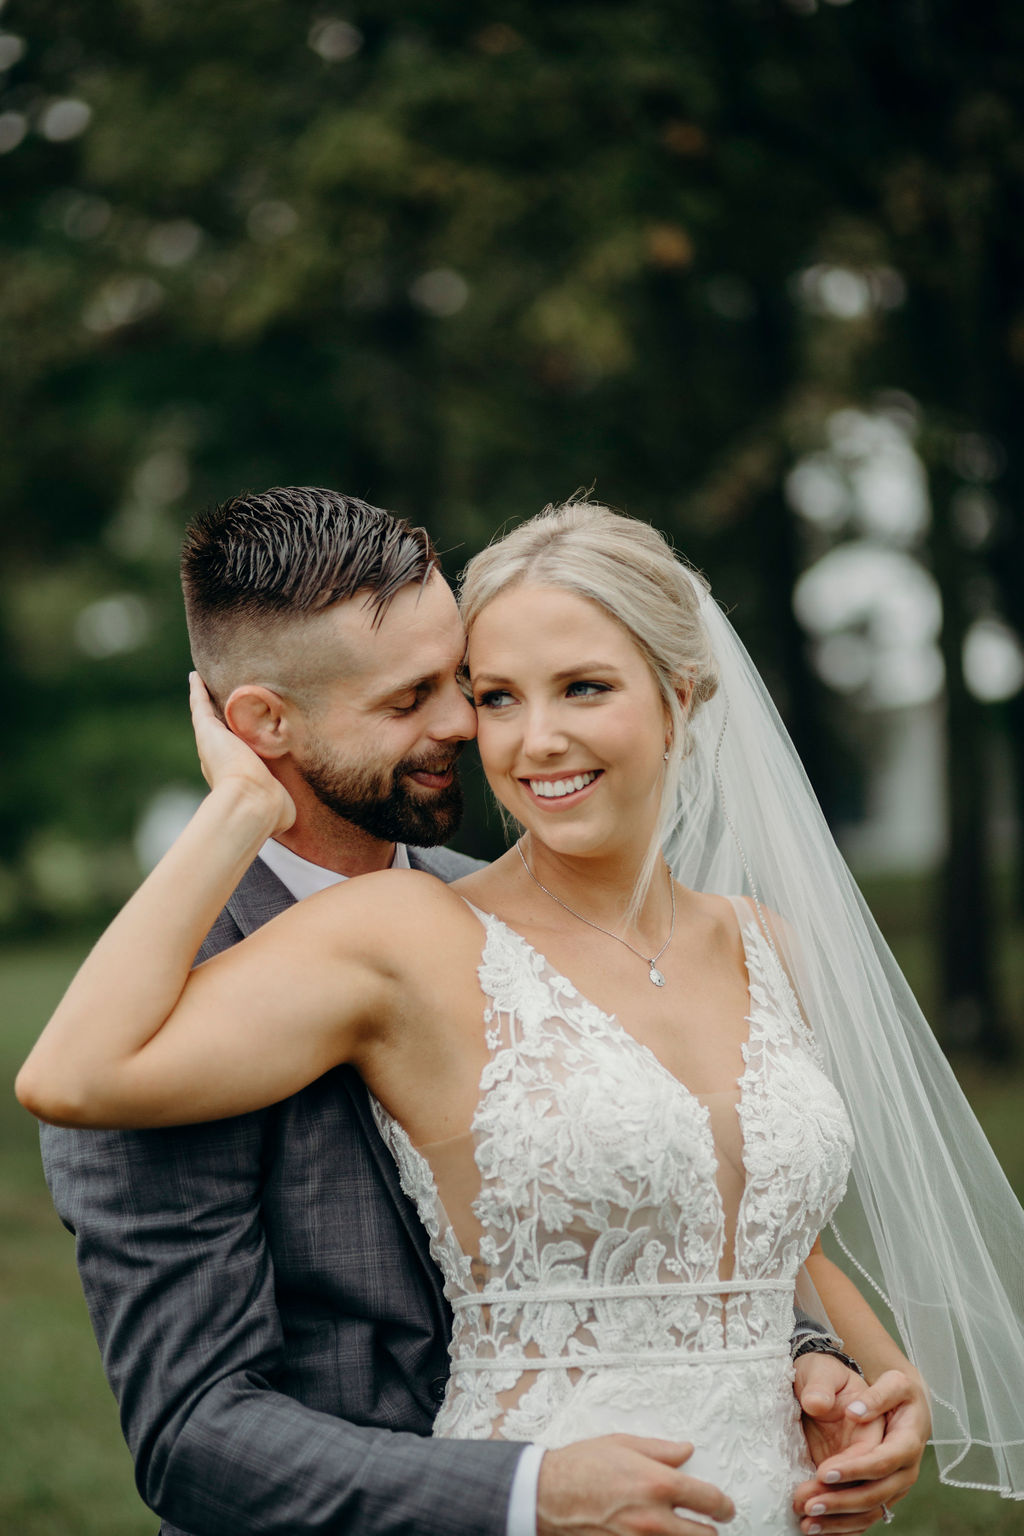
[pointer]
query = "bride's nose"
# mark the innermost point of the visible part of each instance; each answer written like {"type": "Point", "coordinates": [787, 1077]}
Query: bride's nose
{"type": "Point", "coordinates": [544, 735]}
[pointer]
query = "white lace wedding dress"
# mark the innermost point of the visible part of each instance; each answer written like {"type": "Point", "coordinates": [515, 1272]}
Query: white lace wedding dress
{"type": "Point", "coordinates": [585, 1226]}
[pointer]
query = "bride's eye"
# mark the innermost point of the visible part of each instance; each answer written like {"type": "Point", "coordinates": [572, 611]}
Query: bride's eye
{"type": "Point", "coordinates": [496, 698]}
{"type": "Point", "coordinates": [586, 690]}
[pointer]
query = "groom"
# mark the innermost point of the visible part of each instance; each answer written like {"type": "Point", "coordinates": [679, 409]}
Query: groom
{"type": "Point", "coordinates": [269, 1315]}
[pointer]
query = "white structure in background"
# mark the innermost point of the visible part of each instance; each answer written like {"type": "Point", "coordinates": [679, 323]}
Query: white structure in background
{"type": "Point", "coordinates": [167, 814]}
{"type": "Point", "coordinates": [874, 614]}
{"type": "Point", "coordinates": [993, 661]}
{"type": "Point", "coordinates": [876, 617]}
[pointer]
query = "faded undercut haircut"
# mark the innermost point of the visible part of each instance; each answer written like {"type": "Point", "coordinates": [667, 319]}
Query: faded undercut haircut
{"type": "Point", "coordinates": [258, 570]}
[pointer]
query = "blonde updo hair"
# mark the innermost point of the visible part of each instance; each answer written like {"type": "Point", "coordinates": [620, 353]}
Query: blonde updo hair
{"type": "Point", "coordinates": [630, 571]}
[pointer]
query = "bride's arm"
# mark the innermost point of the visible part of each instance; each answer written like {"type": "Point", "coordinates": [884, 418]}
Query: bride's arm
{"type": "Point", "coordinates": [862, 1476]}
{"type": "Point", "coordinates": [142, 1039]}
{"type": "Point", "coordinates": [864, 1337]}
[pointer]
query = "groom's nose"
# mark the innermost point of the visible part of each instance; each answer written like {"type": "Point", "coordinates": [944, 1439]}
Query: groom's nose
{"type": "Point", "coordinates": [454, 718]}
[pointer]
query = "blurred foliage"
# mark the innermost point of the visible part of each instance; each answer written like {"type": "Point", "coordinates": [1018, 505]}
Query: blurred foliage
{"type": "Point", "coordinates": [462, 260]}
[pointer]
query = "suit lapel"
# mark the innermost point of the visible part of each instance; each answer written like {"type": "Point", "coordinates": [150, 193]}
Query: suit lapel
{"type": "Point", "coordinates": [360, 1100]}
{"type": "Point", "coordinates": [258, 897]}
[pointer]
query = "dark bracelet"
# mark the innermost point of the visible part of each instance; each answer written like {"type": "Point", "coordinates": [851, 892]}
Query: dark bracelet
{"type": "Point", "coordinates": [821, 1344]}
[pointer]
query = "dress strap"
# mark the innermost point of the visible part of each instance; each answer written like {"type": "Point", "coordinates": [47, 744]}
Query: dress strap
{"type": "Point", "coordinates": [485, 917]}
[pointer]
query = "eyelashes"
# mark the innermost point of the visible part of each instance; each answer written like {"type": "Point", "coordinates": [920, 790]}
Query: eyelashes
{"type": "Point", "coordinates": [500, 698]}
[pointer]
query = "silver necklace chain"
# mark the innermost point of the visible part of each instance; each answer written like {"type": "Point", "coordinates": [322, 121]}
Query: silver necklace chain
{"type": "Point", "coordinates": [655, 976]}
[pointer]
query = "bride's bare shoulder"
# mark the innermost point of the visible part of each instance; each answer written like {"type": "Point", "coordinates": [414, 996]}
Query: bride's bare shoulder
{"type": "Point", "coordinates": [726, 909]}
{"type": "Point", "coordinates": [401, 893]}
{"type": "Point", "coordinates": [718, 912]}
{"type": "Point", "coordinates": [726, 918]}
{"type": "Point", "coordinates": [386, 913]}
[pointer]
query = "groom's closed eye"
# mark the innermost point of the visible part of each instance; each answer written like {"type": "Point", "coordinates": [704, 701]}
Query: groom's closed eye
{"type": "Point", "coordinates": [411, 695]}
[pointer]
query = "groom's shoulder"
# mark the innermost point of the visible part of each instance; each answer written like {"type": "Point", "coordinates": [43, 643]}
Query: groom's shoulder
{"type": "Point", "coordinates": [260, 895]}
{"type": "Point", "coordinates": [444, 863]}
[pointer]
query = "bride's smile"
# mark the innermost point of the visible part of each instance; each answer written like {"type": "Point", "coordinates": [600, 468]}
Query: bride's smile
{"type": "Point", "coordinates": [563, 787]}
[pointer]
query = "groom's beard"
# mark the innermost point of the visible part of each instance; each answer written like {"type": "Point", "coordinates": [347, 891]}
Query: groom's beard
{"type": "Point", "coordinates": [383, 802]}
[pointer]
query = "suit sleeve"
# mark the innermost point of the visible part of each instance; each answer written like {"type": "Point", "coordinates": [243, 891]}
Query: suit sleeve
{"type": "Point", "coordinates": [180, 1288]}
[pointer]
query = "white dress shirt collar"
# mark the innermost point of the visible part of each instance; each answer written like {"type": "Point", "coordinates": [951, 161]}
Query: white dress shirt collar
{"type": "Point", "coordinates": [303, 878]}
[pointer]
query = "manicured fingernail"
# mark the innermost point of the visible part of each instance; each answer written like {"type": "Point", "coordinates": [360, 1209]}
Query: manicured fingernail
{"type": "Point", "coordinates": [859, 1409]}
{"type": "Point", "coordinates": [814, 1530]}
{"type": "Point", "coordinates": [816, 1509]}
{"type": "Point", "coordinates": [832, 1477]}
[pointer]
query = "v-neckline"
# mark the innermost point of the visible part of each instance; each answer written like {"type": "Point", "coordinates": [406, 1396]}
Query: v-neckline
{"type": "Point", "coordinates": [616, 1025]}
{"type": "Point", "coordinates": [618, 1030]}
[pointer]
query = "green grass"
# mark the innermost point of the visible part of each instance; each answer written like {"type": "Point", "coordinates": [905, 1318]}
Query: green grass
{"type": "Point", "coordinates": [66, 1470]}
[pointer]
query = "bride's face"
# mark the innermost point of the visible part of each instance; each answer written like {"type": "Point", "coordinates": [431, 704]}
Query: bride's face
{"type": "Point", "coordinates": [572, 729]}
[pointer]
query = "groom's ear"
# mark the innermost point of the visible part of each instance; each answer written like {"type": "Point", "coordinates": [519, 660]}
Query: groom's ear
{"type": "Point", "coordinates": [261, 718]}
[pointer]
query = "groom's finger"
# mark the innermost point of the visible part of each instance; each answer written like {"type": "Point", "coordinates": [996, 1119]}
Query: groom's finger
{"type": "Point", "coordinates": [692, 1497]}
{"type": "Point", "coordinates": [672, 1452]}
{"type": "Point", "coordinates": [818, 1381]}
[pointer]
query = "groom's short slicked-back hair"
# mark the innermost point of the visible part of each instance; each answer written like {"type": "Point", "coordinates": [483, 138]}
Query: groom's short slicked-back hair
{"type": "Point", "coordinates": [257, 564]}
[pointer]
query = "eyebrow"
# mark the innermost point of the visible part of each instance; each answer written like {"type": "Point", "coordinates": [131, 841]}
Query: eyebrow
{"type": "Point", "coordinates": [492, 680]}
{"type": "Point", "coordinates": [412, 686]}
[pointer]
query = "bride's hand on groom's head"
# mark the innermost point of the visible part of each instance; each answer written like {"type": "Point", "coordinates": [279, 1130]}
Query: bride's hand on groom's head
{"type": "Point", "coordinates": [225, 759]}
{"type": "Point", "coordinates": [883, 1430]}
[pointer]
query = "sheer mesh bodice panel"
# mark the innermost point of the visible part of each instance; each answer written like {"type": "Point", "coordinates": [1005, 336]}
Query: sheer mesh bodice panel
{"type": "Point", "coordinates": [619, 1253]}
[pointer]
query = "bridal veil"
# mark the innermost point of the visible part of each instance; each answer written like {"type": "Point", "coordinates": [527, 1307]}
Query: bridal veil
{"type": "Point", "coordinates": [929, 1220]}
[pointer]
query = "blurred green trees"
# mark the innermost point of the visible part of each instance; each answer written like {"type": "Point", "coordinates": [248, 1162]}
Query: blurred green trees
{"type": "Point", "coordinates": [461, 260]}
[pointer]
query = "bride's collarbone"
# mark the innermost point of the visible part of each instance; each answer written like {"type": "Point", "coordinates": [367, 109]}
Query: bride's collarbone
{"type": "Point", "coordinates": [697, 967]}
{"type": "Point", "coordinates": [429, 1068]}
{"type": "Point", "coordinates": [695, 1024]}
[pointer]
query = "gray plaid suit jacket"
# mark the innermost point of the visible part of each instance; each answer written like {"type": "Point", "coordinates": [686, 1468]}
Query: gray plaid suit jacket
{"type": "Point", "coordinates": [268, 1314]}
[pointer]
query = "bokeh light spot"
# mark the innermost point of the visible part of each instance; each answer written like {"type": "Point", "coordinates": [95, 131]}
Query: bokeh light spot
{"type": "Point", "coordinates": [13, 128]}
{"type": "Point", "coordinates": [993, 661]}
{"type": "Point", "coordinates": [173, 243]}
{"type": "Point", "coordinates": [122, 301]}
{"type": "Point", "coordinates": [335, 40]}
{"type": "Point", "coordinates": [271, 220]}
{"type": "Point", "coordinates": [441, 292]}
{"type": "Point", "coordinates": [113, 625]}
{"type": "Point", "coordinates": [12, 49]}
{"type": "Point", "coordinates": [64, 120]}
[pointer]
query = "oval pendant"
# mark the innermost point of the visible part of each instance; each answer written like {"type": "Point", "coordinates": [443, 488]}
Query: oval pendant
{"type": "Point", "coordinates": [656, 976]}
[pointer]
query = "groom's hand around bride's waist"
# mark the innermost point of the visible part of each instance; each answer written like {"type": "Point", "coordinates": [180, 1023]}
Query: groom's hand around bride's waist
{"type": "Point", "coordinates": [622, 1485]}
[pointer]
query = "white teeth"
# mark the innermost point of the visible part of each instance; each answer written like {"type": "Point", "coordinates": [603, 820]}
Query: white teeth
{"type": "Point", "coordinates": [554, 789]}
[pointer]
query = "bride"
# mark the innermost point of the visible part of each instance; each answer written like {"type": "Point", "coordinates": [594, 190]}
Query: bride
{"type": "Point", "coordinates": [625, 1095]}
